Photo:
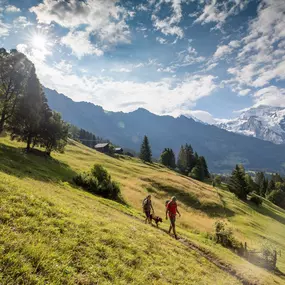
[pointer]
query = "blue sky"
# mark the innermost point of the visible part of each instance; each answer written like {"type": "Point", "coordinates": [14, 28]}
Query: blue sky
{"type": "Point", "coordinates": [205, 58]}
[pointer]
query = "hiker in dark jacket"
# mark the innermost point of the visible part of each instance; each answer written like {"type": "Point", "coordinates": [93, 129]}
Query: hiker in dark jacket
{"type": "Point", "coordinates": [147, 208]}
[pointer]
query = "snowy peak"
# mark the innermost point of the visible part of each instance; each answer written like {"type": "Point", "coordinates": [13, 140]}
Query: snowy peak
{"type": "Point", "coordinates": [263, 122]}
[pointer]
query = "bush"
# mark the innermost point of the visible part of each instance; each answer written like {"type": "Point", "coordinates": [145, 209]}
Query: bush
{"type": "Point", "coordinates": [225, 235]}
{"type": "Point", "coordinates": [98, 182]}
{"type": "Point", "coordinates": [256, 200]}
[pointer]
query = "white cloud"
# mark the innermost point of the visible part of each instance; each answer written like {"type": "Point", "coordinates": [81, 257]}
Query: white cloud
{"type": "Point", "coordinates": [22, 22]}
{"type": "Point", "coordinates": [234, 44]}
{"type": "Point", "coordinates": [218, 11]}
{"type": "Point", "coordinates": [244, 92]}
{"type": "Point", "coordinates": [80, 44]}
{"type": "Point", "coordinates": [222, 50]}
{"type": "Point", "coordinates": [122, 69]}
{"type": "Point", "coordinates": [103, 19]}
{"type": "Point", "coordinates": [203, 116]}
{"type": "Point", "coordinates": [270, 96]}
{"type": "Point", "coordinates": [211, 66]}
{"type": "Point", "coordinates": [4, 29]}
{"type": "Point", "coordinates": [169, 25]}
{"type": "Point", "coordinates": [12, 9]}
{"type": "Point", "coordinates": [64, 67]}
{"type": "Point", "coordinates": [261, 57]}
{"type": "Point", "coordinates": [162, 97]}
{"type": "Point", "coordinates": [161, 40]}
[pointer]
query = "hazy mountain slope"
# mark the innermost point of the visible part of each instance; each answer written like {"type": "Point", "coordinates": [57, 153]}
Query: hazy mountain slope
{"type": "Point", "coordinates": [264, 122]}
{"type": "Point", "coordinates": [222, 149]}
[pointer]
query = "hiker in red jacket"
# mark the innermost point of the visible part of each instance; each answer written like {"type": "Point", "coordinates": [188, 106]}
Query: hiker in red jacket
{"type": "Point", "coordinates": [171, 211]}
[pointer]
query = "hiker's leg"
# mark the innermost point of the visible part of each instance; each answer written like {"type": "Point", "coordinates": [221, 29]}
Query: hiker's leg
{"type": "Point", "coordinates": [174, 230]}
{"type": "Point", "coordinates": [170, 228]}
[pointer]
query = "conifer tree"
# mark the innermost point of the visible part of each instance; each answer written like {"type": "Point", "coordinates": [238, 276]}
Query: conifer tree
{"type": "Point", "coordinates": [182, 161]}
{"type": "Point", "coordinates": [271, 186]}
{"type": "Point", "coordinates": [237, 183]}
{"type": "Point", "coordinates": [167, 158]}
{"type": "Point", "coordinates": [145, 153]}
{"type": "Point", "coordinates": [204, 166]}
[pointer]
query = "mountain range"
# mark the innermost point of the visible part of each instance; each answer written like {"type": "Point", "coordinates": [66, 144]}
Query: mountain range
{"type": "Point", "coordinates": [263, 122]}
{"type": "Point", "coordinates": [221, 148]}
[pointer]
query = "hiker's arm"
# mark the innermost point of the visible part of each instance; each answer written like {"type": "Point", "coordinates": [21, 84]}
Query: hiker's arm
{"type": "Point", "coordinates": [178, 213]}
{"type": "Point", "coordinates": [166, 213]}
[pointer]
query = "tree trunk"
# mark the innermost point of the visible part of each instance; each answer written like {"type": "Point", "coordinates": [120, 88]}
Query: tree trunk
{"type": "Point", "coordinates": [29, 141]}
{"type": "Point", "coordinates": [2, 120]}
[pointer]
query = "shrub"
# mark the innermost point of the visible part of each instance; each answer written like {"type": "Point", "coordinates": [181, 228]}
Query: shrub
{"type": "Point", "coordinates": [224, 235]}
{"type": "Point", "coordinates": [256, 200]}
{"type": "Point", "coordinates": [99, 182]}
{"type": "Point", "coordinates": [217, 180]}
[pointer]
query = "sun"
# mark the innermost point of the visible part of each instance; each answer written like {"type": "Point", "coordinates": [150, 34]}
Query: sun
{"type": "Point", "coordinates": [39, 41]}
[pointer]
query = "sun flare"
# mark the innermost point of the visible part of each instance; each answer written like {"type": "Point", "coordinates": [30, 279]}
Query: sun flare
{"type": "Point", "coordinates": [39, 42]}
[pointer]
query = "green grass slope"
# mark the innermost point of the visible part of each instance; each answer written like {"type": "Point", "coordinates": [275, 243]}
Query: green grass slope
{"type": "Point", "coordinates": [52, 232]}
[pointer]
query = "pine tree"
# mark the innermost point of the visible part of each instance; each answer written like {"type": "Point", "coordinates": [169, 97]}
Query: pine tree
{"type": "Point", "coordinates": [145, 153]}
{"type": "Point", "coordinates": [271, 186]}
{"type": "Point", "coordinates": [167, 158]}
{"type": "Point", "coordinates": [237, 183]}
{"type": "Point", "coordinates": [204, 166]}
{"type": "Point", "coordinates": [190, 158]}
{"type": "Point", "coordinates": [251, 185]}
{"type": "Point", "coordinates": [182, 161]}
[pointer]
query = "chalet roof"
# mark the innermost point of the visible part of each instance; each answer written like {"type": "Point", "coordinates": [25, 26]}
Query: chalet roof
{"type": "Point", "coordinates": [101, 145]}
{"type": "Point", "coordinates": [118, 148]}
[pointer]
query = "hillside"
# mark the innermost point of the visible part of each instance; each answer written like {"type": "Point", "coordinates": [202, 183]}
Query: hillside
{"type": "Point", "coordinates": [222, 149]}
{"type": "Point", "coordinates": [51, 232]}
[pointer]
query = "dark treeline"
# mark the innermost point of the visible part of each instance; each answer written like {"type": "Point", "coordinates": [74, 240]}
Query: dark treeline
{"type": "Point", "coordinates": [188, 162]}
{"type": "Point", "coordinates": [24, 111]}
{"type": "Point", "coordinates": [87, 138]}
{"type": "Point", "coordinates": [242, 184]}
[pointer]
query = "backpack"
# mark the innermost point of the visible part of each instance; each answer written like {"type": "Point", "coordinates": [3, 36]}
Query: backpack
{"type": "Point", "coordinates": [166, 202]}
{"type": "Point", "coordinates": [144, 203]}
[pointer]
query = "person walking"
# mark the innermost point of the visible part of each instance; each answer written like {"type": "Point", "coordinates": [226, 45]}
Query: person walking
{"type": "Point", "coordinates": [147, 208]}
{"type": "Point", "coordinates": [171, 211]}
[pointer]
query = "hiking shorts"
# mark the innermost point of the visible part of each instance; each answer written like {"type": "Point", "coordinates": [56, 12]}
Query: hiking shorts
{"type": "Point", "coordinates": [147, 213]}
{"type": "Point", "coordinates": [172, 219]}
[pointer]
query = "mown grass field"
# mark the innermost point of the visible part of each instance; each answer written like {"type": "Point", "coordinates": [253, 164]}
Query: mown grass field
{"type": "Point", "coordinates": [52, 232]}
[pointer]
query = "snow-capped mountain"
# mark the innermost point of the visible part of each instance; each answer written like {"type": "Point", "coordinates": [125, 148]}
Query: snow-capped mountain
{"type": "Point", "coordinates": [263, 122]}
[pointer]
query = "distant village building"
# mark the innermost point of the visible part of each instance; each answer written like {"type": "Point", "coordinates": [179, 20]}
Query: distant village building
{"type": "Point", "coordinates": [119, 150]}
{"type": "Point", "coordinates": [102, 147]}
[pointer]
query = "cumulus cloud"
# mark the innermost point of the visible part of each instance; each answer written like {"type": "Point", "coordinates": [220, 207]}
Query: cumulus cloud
{"type": "Point", "coordinates": [162, 97]}
{"type": "Point", "coordinates": [261, 57]}
{"type": "Point", "coordinates": [244, 92]}
{"type": "Point", "coordinates": [103, 19]}
{"type": "Point", "coordinates": [21, 22]}
{"type": "Point", "coordinates": [222, 50]}
{"type": "Point", "coordinates": [218, 11]}
{"type": "Point", "coordinates": [271, 96]}
{"type": "Point", "coordinates": [12, 9]}
{"type": "Point", "coordinates": [169, 25]}
{"type": "Point", "coordinates": [80, 44]}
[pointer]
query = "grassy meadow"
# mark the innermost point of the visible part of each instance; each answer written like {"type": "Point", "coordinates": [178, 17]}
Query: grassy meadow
{"type": "Point", "coordinates": [52, 232]}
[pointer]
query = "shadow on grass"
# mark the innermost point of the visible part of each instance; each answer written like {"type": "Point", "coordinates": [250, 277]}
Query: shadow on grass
{"type": "Point", "coordinates": [266, 212]}
{"type": "Point", "coordinates": [35, 165]}
{"type": "Point", "coordinates": [190, 200]}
